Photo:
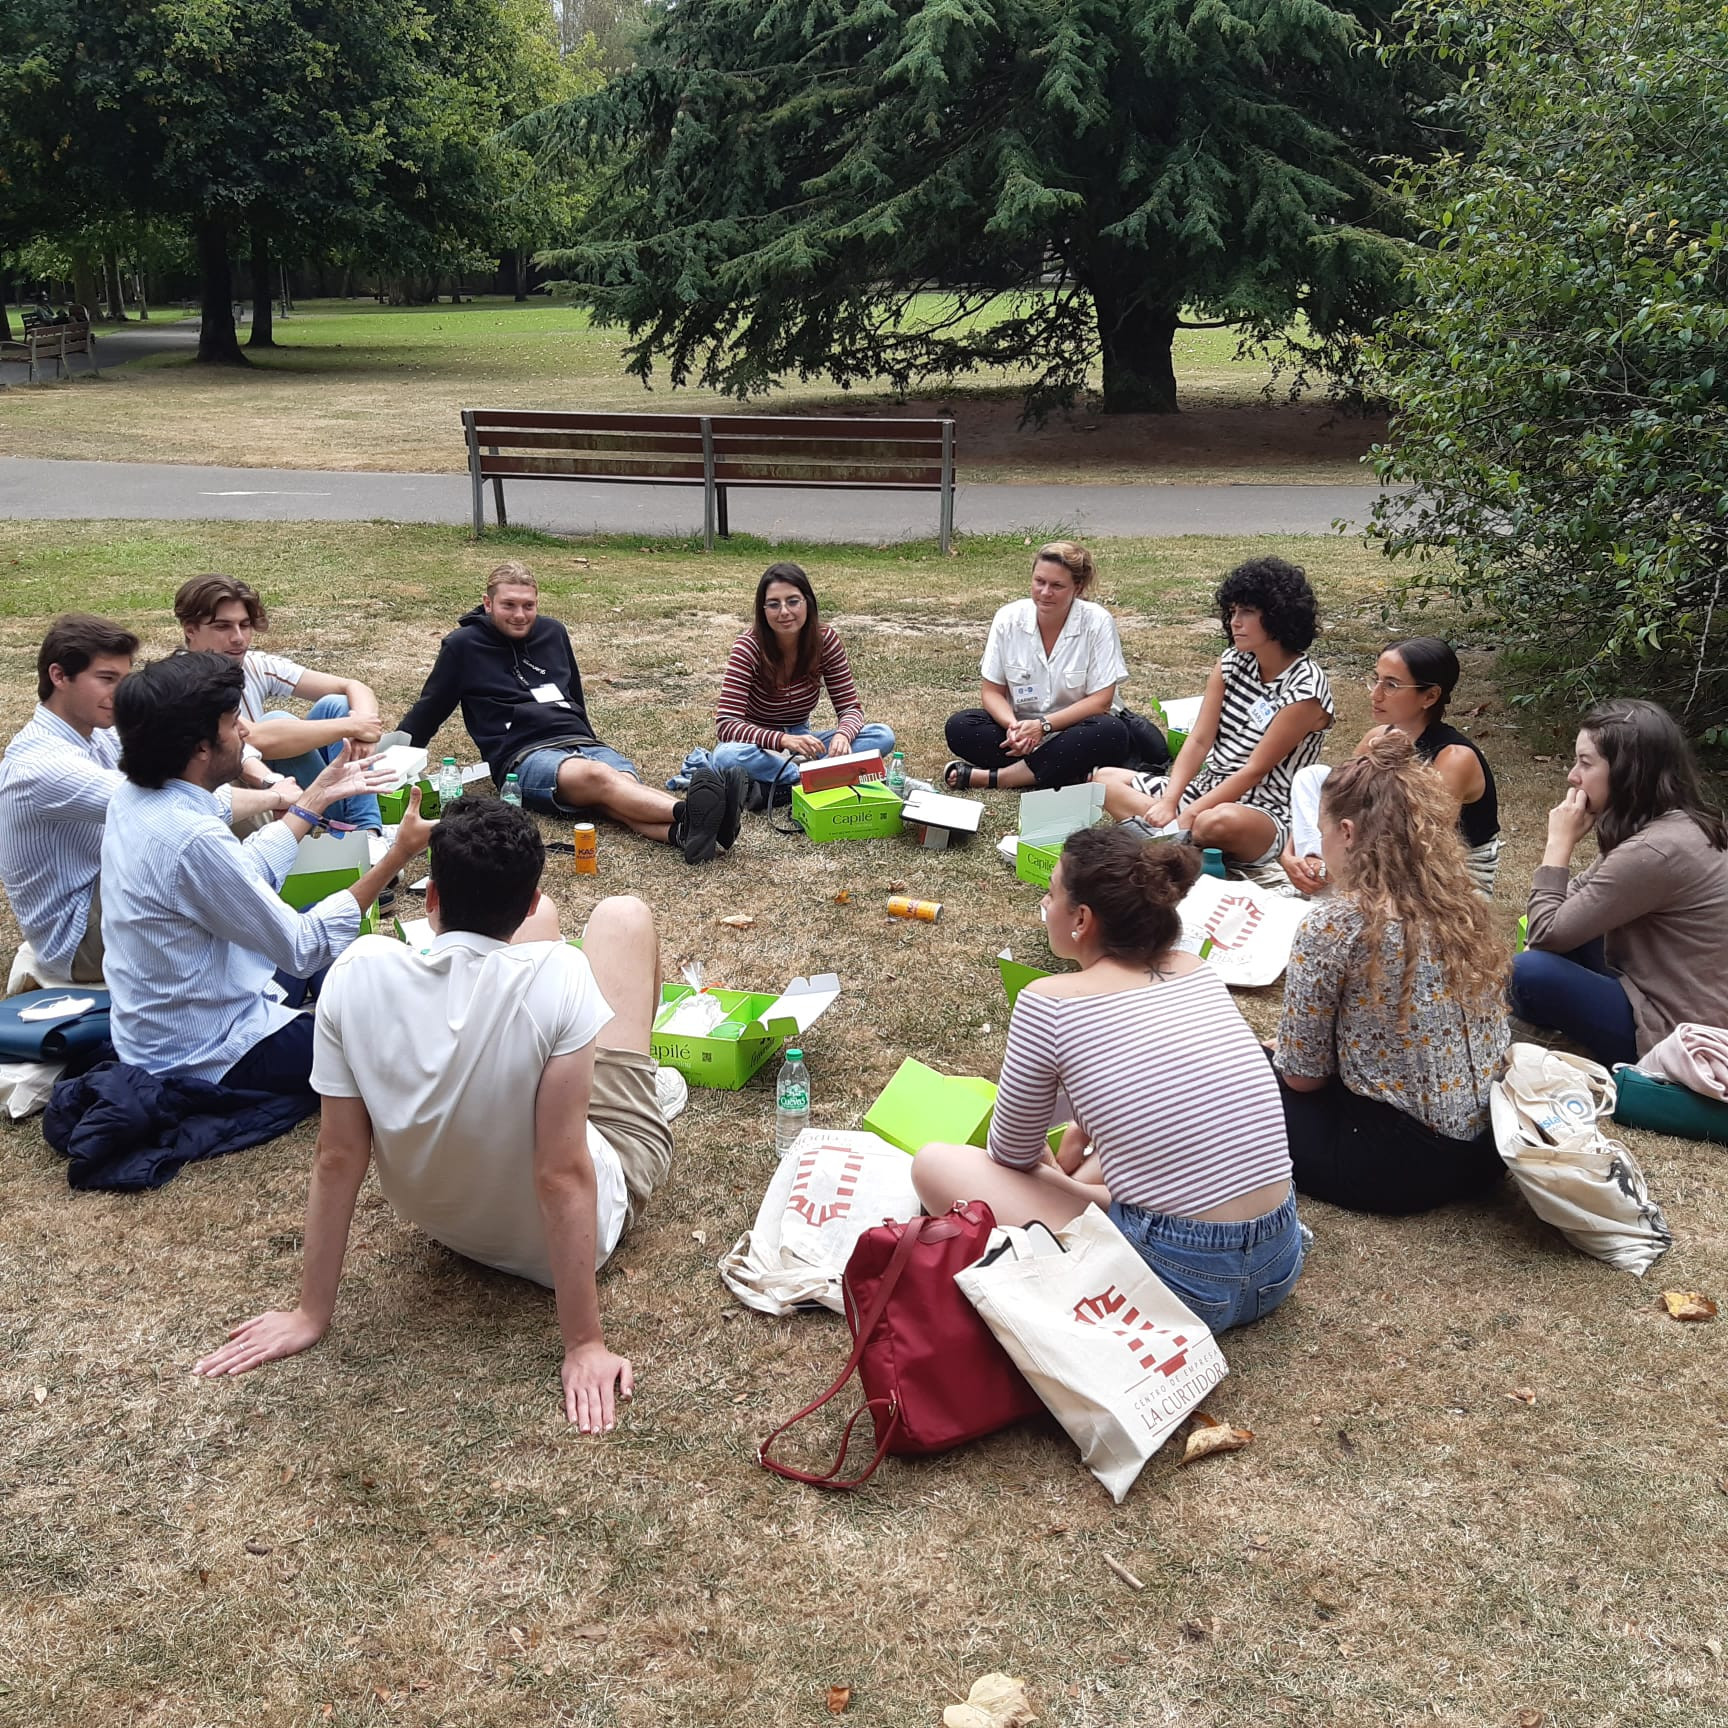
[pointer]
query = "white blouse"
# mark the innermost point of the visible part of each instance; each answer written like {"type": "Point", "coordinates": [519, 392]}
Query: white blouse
{"type": "Point", "coordinates": [1087, 657]}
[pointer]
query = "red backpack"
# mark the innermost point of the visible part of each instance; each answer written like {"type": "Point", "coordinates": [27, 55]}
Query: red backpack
{"type": "Point", "coordinates": [933, 1375]}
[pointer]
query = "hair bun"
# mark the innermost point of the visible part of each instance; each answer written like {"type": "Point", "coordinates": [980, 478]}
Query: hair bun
{"type": "Point", "coordinates": [1387, 747]}
{"type": "Point", "coordinates": [1165, 870]}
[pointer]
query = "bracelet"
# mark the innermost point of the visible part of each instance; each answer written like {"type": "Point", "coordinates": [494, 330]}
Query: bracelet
{"type": "Point", "coordinates": [303, 813]}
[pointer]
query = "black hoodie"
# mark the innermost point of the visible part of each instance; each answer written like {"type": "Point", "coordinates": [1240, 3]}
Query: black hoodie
{"type": "Point", "coordinates": [494, 678]}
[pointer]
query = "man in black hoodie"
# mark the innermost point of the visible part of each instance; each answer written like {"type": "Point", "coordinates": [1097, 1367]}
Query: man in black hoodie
{"type": "Point", "coordinates": [514, 674]}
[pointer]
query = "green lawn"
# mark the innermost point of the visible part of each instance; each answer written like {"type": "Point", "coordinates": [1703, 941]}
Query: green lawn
{"type": "Point", "coordinates": [398, 1527]}
{"type": "Point", "coordinates": [356, 385]}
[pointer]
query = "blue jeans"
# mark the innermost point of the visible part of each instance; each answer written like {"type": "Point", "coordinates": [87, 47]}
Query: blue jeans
{"type": "Point", "coordinates": [281, 1062]}
{"type": "Point", "coordinates": [362, 811]}
{"type": "Point", "coordinates": [537, 774]}
{"type": "Point", "coordinates": [1577, 995]}
{"type": "Point", "coordinates": [1229, 1274]}
{"type": "Point", "coordinates": [770, 766]}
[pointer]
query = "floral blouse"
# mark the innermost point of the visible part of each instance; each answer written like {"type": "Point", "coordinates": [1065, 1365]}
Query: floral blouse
{"type": "Point", "coordinates": [1437, 1067]}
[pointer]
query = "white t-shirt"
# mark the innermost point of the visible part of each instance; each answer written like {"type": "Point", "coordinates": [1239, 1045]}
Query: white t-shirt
{"type": "Point", "coordinates": [445, 1049]}
{"type": "Point", "coordinates": [1087, 657]}
{"type": "Point", "coordinates": [267, 675]}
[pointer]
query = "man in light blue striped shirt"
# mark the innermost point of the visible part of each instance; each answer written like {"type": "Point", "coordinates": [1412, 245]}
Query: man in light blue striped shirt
{"type": "Point", "coordinates": [193, 919]}
{"type": "Point", "coordinates": [56, 778]}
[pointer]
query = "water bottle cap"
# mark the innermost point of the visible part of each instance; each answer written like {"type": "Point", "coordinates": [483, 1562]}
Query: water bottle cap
{"type": "Point", "coordinates": [794, 1054]}
{"type": "Point", "coordinates": [449, 761]}
{"type": "Point", "coordinates": [510, 780]}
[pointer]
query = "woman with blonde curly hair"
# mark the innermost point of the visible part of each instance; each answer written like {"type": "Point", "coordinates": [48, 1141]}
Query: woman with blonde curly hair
{"type": "Point", "coordinates": [1395, 1013]}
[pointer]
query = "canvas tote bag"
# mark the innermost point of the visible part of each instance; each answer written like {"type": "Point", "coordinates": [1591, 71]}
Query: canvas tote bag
{"type": "Point", "coordinates": [1115, 1355]}
{"type": "Point", "coordinates": [1545, 1110]}
{"type": "Point", "coordinates": [827, 1191]}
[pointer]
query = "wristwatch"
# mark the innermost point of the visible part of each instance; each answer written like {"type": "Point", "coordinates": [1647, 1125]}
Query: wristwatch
{"type": "Point", "coordinates": [1044, 721]}
{"type": "Point", "coordinates": [270, 780]}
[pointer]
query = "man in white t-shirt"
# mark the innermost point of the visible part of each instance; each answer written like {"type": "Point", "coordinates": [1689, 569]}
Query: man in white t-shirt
{"type": "Point", "coordinates": [222, 614]}
{"type": "Point", "coordinates": [501, 1080]}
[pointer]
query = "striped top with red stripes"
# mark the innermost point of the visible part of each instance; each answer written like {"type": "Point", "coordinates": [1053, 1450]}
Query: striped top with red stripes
{"type": "Point", "coordinates": [753, 710]}
{"type": "Point", "coordinates": [1171, 1085]}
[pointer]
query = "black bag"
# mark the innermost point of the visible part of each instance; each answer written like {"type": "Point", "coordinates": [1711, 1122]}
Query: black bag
{"type": "Point", "coordinates": [1148, 751]}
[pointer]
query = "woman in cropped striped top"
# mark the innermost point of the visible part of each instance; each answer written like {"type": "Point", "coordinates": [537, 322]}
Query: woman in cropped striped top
{"type": "Point", "coordinates": [1179, 1131]}
{"type": "Point", "coordinates": [777, 670]}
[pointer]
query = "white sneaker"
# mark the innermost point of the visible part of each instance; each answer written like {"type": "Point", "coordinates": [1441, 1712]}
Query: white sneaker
{"type": "Point", "coordinates": [673, 1092]}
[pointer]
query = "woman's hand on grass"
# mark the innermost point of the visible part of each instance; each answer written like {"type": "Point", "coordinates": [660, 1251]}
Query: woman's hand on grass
{"type": "Point", "coordinates": [266, 1338]}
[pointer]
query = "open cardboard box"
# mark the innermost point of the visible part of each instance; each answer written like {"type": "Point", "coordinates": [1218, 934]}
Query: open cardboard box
{"type": "Point", "coordinates": [1046, 820]}
{"type": "Point", "coordinates": [1176, 719]}
{"type": "Point", "coordinates": [756, 1024]}
{"type": "Point", "coordinates": [822, 772]}
{"type": "Point", "coordinates": [937, 820]}
{"type": "Point", "coordinates": [920, 1105]}
{"type": "Point", "coordinates": [857, 812]}
{"type": "Point", "coordinates": [325, 865]}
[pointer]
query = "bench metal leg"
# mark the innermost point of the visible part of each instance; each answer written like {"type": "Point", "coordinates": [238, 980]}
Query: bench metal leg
{"type": "Point", "coordinates": [478, 484]}
{"type": "Point", "coordinates": [725, 522]}
{"type": "Point", "coordinates": [707, 484]}
{"type": "Point", "coordinates": [498, 503]}
{"type": "Point", "coordinates": [946, 530]}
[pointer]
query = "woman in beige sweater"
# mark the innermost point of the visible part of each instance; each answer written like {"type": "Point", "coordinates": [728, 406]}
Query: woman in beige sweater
{"type": "Point", "coordinates": [1637, 942]}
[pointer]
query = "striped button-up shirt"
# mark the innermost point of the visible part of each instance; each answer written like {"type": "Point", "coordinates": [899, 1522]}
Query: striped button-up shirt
{"type": "Point", "coordinates": [54, 789]}
{"type": "Point", "coordinates": [195, 930]}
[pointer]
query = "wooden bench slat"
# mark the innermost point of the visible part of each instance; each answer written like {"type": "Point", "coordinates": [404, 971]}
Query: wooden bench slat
{"type": "Point", "coordinates": [675, 443]}
{"type": "Point", "coordinates": [581, 467]}
{"type": "Point", "coordinates": [553, 420]}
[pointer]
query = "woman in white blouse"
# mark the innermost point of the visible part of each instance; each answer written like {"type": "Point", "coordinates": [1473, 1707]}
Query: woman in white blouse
{"type": "Point", "coordinates": [1050, 670]}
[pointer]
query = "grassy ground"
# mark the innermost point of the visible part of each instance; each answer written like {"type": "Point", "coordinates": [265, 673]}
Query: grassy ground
{"type": "Point", "coordinates": [399, 1528]}
{"type": "Point", "coordinates": [361, 386]}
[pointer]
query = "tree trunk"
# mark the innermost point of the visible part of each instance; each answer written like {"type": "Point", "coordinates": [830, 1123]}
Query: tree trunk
{"type": "Point", "coordinates": [1139, 374]}
{"type": "Point", "coordinates": [520, 259]}
{"type": "Point", "coordinates": [86, 284]}
{"type": "Point", "coordinates": [218, 343]}
{"type": "Point", "coordinates": [113, 287]}
{"type": "Point", "coordinates": [140, 293]}
{"type": "Point", "coordinates": [263, 301]}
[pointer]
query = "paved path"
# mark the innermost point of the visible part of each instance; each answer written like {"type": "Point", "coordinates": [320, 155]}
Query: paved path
{"type": "Point", "coordinates": [71, 490]}
{"type": "Point", "coordinates": [115, 345]}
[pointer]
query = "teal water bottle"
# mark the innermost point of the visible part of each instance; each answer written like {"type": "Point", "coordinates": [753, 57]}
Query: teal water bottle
{"type": "Point", "coordinates": [791, 1101]}
{"type": "Point", "coordinates": [512, 793]}
{"type": "Point", "coordinates": [1213, 862]}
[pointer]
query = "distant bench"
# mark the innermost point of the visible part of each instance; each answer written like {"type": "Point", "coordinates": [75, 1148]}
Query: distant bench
{"type": "Point", "coordinates": [714, 451]}
{"type": "Point", "coordinates": [43, 341]}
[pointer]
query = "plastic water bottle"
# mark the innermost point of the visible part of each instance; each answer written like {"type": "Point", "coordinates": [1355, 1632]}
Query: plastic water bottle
{"type": "Point", "coordinates": [897, 773]}
{"type": "Point", "coordinates": [449, 781]}
{"type": "Point", "coordinates": [791, 1101]}
{"type": "Point", "coordinates": [512, 793]}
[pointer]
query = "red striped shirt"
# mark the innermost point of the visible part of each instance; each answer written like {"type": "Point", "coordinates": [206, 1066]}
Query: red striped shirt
{"type": "Point", "coordinates": [754, 710]}
{"type": "Point", "coordinates": [1169, 1082]}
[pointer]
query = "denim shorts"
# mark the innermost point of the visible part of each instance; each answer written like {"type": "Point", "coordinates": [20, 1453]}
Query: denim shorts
{"type": "Point", "coordinates": [537, 774]}
{"type": "Point", "coordinates": [1229, 1274]}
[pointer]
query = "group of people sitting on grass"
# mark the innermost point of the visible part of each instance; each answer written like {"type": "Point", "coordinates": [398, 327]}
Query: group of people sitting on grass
{"type": "Point", "coordinates": [502, 1079]}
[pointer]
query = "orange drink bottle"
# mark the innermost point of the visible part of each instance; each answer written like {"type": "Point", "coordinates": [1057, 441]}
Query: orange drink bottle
{"type": "Point", "coordinates": [587, 849]}
{"type": "Point", "coordinates": [925, 911]}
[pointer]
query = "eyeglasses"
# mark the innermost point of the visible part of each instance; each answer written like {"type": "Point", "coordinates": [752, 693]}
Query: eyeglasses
{"type": "Point", "coordinates": [1393, 685]}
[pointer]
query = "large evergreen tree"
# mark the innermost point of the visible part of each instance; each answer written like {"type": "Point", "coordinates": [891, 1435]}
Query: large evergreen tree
{"type": "Point", "coordinates": [783, 176]}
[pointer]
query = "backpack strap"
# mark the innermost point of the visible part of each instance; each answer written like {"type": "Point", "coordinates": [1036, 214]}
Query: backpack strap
{"type": "Point", "coordinates": [909, 1239]}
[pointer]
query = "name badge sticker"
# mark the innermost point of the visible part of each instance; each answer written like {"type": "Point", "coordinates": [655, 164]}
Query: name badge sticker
{"type": "Point", "coordinates": [1260, 715]}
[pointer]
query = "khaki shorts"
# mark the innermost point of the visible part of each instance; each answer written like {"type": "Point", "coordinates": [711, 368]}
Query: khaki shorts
{"type": "Point", "coordinates": [87, 957]}
{"type": "Point", "coordinates": [626, 1109]}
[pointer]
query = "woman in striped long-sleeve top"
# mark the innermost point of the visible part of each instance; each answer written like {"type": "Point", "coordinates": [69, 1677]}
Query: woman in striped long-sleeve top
{"type": "Point", "coordinates": [776, 672]}
{"type": "Point", "coordinates": [1179, 1130]}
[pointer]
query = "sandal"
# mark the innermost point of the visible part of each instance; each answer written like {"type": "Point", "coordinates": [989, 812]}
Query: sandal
{"type": "Point", "coordinates": [951, 776]}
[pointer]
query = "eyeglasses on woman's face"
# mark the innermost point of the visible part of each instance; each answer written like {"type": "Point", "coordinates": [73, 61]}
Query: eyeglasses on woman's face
{"type": "Point", "coordinates": [1393, 686]}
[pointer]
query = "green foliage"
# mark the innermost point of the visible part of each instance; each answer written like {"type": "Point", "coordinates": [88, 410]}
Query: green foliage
{"type": "Point", "coordinates": [1559, 381]}
{"type": "Point", "coordinates": [779, 178]}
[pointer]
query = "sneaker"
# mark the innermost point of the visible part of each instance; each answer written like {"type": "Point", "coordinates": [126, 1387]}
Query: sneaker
{"type": "Point", "coordinates": [738, 785]}
{"type": "Point", "coordinates": [703, 810]}
{"type": "Point", "coordinates": [671, 1092]}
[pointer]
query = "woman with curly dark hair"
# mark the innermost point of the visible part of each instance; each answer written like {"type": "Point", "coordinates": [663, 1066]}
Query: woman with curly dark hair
{"type": "Point", "coordinates": [1266, 706]}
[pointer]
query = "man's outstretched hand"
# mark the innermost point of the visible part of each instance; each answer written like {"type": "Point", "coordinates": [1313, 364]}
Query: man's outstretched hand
{"type": "Point", "coordinates": [267, 1338]}
{"type": "Point", "coordinates": [595, 1380]}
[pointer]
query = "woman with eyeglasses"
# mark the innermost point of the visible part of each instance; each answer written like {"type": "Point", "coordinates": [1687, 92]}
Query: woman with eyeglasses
{"type": "Point", "coordinates": [1051, 667]}
{"type": "Point", "coordinates": [1412, 684]}
{"type": "Point", "coordinates": [1637, 941]}
{"type": "Point", "coordinates": [777, 670]}
{"type": "Point", "coordinates": [1265, 711]}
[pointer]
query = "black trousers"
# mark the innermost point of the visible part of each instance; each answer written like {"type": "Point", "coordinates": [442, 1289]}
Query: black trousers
{"type": "Point", "coordinates": [1064, 758]}
{"type": "Point", "coordinates": [1363, 1154]}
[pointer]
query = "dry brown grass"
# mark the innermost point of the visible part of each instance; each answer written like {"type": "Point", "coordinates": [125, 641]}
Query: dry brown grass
{"type": "Point", "coordinates": [362, 387]}
{"type": "Point", "coordinates": [398, 1527]}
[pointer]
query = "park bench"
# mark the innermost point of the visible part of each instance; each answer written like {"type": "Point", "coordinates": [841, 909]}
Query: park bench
{"type": "Point", "coordinates": [714, 451]}
{"type": "Point", "coordinates": [43, 341]}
